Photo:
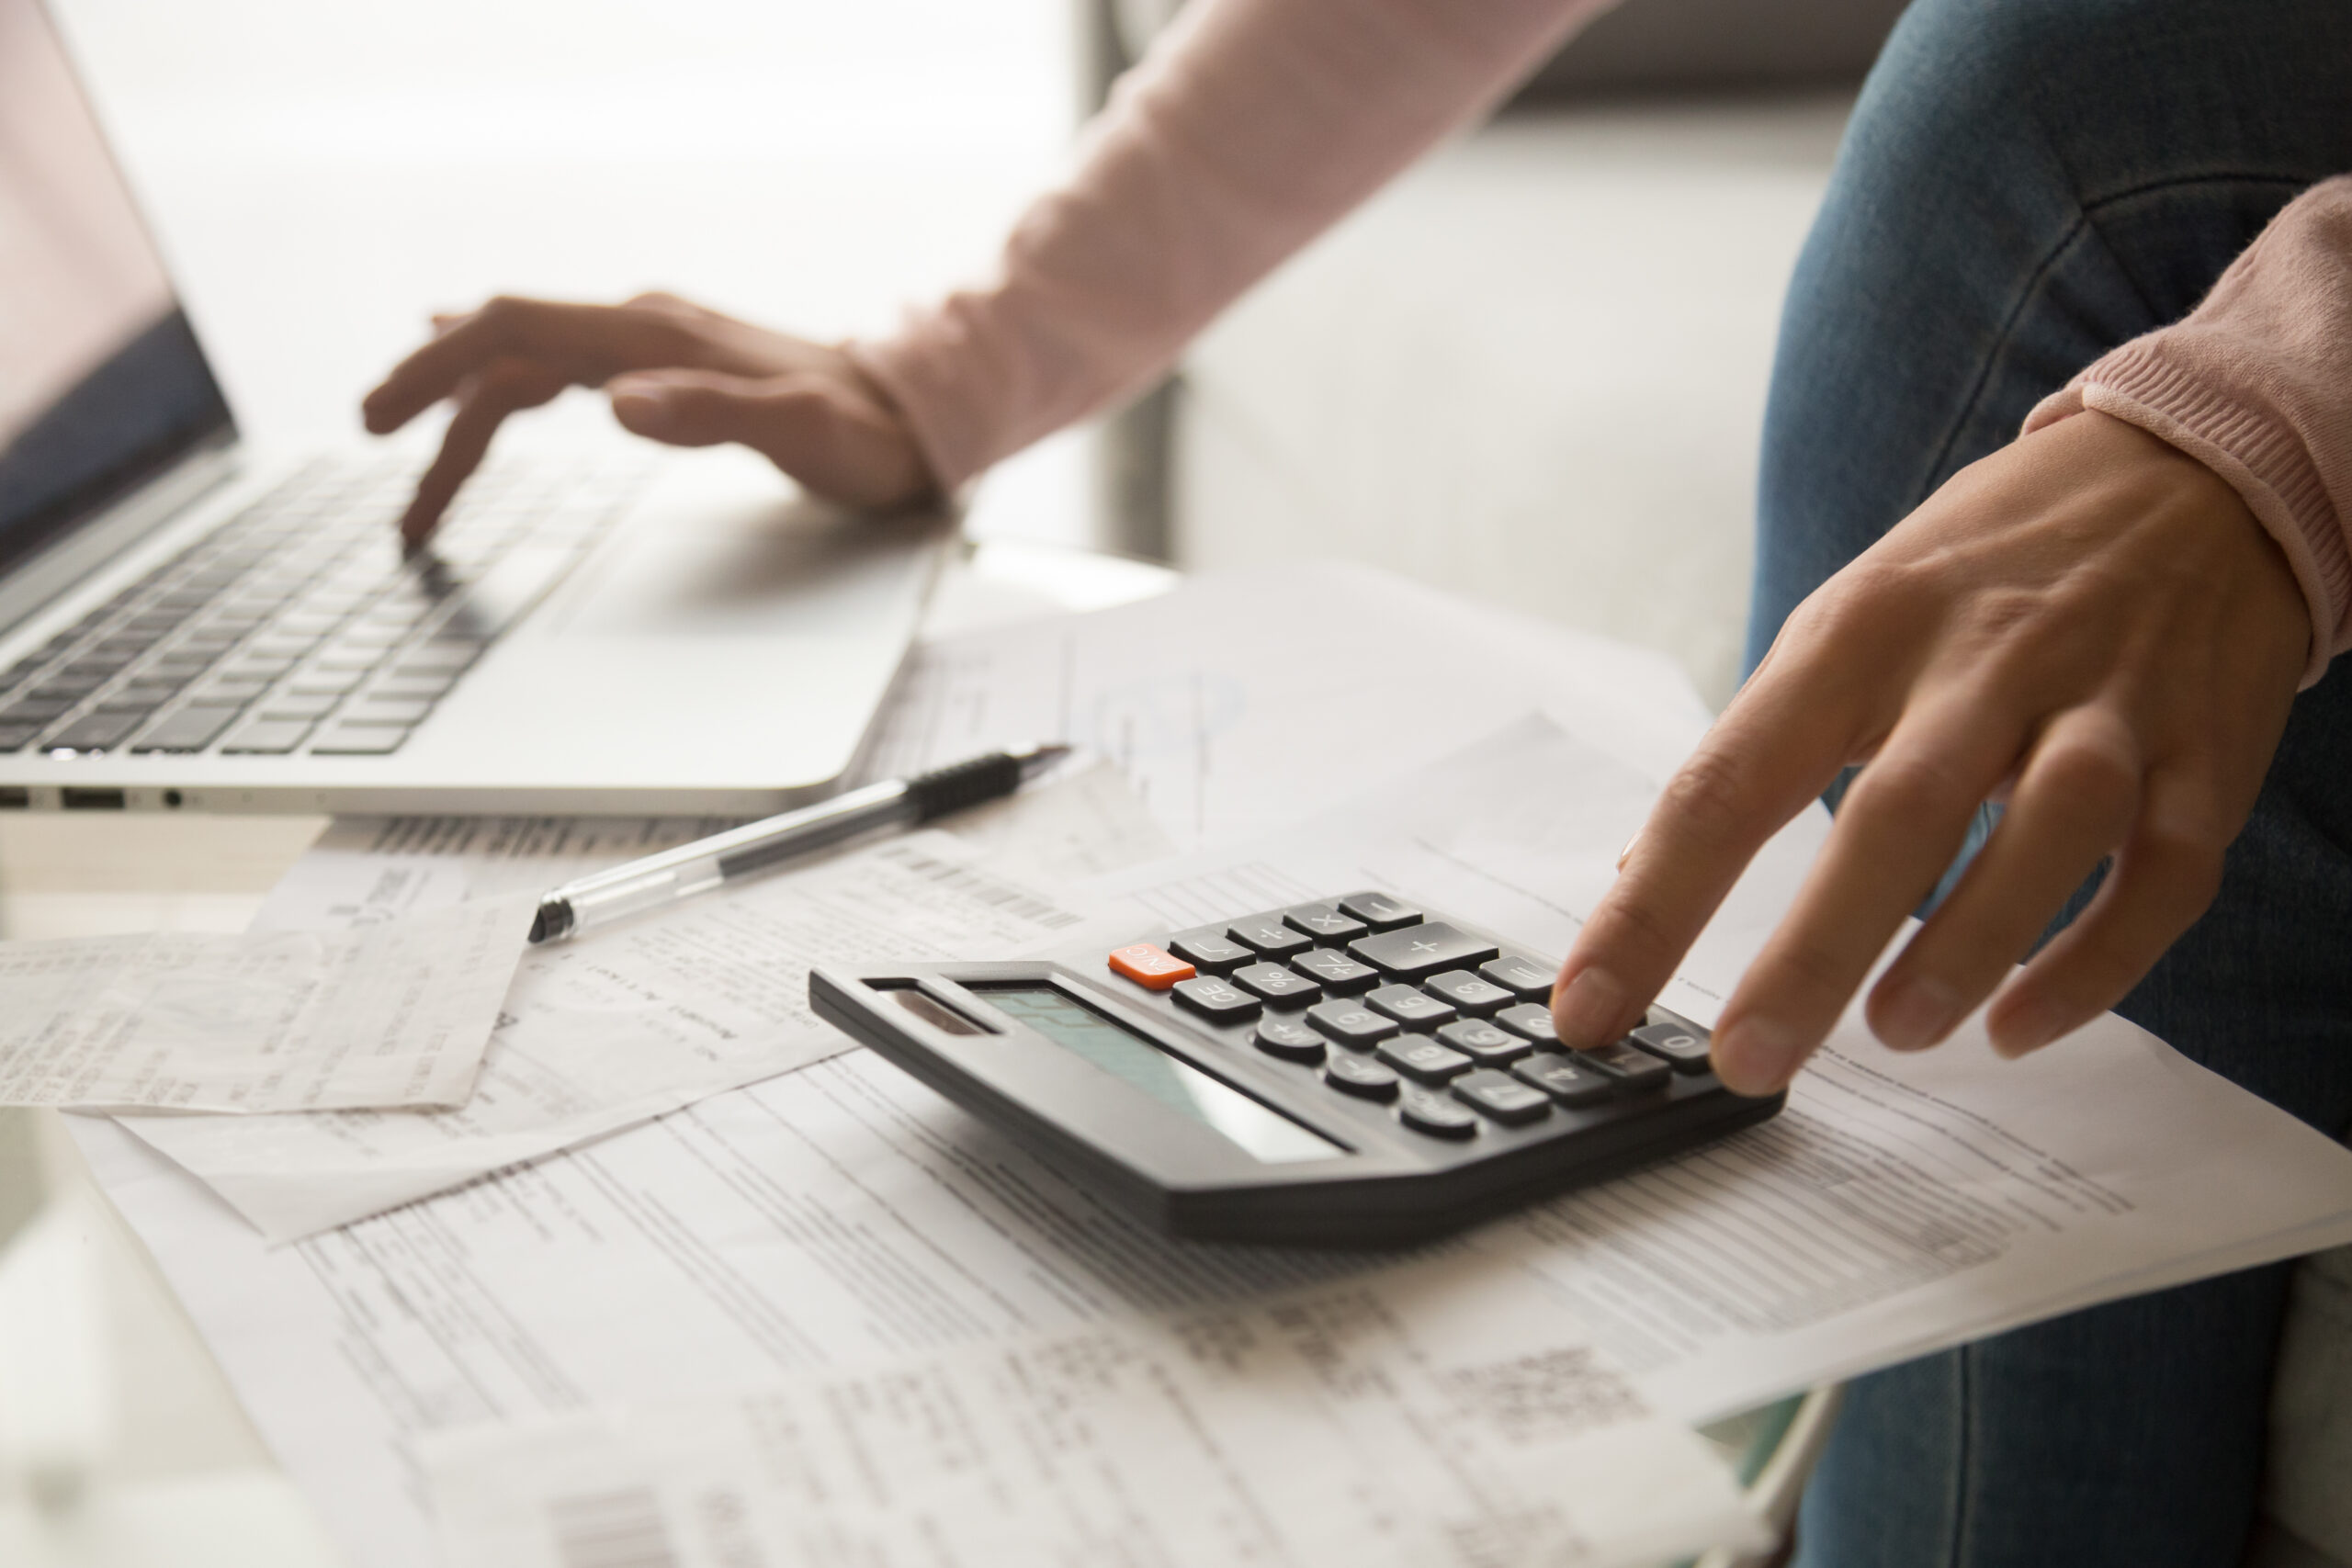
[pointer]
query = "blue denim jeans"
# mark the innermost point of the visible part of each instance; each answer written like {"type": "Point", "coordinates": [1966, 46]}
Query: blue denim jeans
{"type": "Point", "coordinates": [2024, 185]}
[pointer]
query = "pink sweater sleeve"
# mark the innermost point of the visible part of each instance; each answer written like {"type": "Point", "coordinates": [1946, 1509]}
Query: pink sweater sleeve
{"type": "Point", "coordinates": [2257, 384]}
{"type": "Point", "coordinates": [1250, 128]}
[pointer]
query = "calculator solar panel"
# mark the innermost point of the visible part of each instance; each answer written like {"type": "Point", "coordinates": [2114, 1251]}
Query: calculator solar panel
{"type": "Point", "coordinates": [1349, 1071]}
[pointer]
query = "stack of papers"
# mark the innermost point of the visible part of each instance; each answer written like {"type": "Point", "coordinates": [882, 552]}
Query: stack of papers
{"type": "Point", "coordinates": [681, 1289]}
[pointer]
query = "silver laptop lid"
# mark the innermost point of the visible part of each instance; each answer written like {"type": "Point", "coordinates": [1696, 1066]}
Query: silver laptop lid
{"type": "Point", "coordinates": [103, 388]}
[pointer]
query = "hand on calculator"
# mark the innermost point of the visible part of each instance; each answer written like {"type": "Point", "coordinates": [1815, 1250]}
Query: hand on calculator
{"type": "Point", "coordinates": [2089, 625]}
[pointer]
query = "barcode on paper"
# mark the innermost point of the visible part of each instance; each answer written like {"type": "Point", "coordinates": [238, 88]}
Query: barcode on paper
{"type": "Point", "coordinates": [988, 890]}
{"type": "Point", "coordinates": [611, 1529]}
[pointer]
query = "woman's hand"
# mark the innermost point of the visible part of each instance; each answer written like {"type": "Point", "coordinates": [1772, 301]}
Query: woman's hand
{"type": "Point", "coordinates": [2088, 623]}
{"type": "Point", "coordinates": [674, 372]}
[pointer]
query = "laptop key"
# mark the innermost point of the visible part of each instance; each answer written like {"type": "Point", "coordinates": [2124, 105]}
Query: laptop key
{"type": "Point", "coordinates": [189, 729]}
{"type": "Point", "coordinates": [14, 737]}
{"type": "Point", "coordinates": [307, 707]}
{"type": "Point", "coordinates": [359, 740]}
{"type": "Point", "coordinates": [97, 732]}
{"type": "Point", "coordinates": [375, 710]}
{"type": "Point", "coordinates": [266, 737]}
{"type": "Point", "coordinates": [34, 710]}
{"type": "Point", "coordinates": [425, 688]}
{"type": "Point", "coordinates": [326, 683]}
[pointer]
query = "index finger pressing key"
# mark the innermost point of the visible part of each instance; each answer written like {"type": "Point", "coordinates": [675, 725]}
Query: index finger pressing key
{"type": "Point", "coordinates": [1771, 753]}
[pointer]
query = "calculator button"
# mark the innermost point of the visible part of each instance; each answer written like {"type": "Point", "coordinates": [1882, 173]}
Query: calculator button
{"type": "Point", "coordinates": [1282, 987]}
{"type": "Point", "coordinates": [1423, 949]}
{"type": "Point", "coordinates": [1210, 951]}
{"type": "Point", "coordinates": [1419, 1056]}
{"type": "Point", "coordinates": [1502, 1097]}
{"type": "Point", "coordinates": [1529, 979]}
{"type": "Point", "coordinates": [1288, 1039]}
{"type": "Point", "coordinates": [1340, 975]}
{"type": "Point", "coordinates": [1482, 1043]}
{"type": "Point", "coordinates": [1682, 1046]}
{"type": "Point", "coordinates": [1407, 1005]}
{"type": "Point", "coordinates": [1468, 992]}
{"type": "Point", "coordinates": [1636, 1071]}
{"type": "Point", "coordinates": [1268, 937]}
{"type": "Point", "coordinates": [1219, 1001]}
{"type": "Point", "coordinates": [1531, 1018]}
{"type": "Point", "coordinates": [1380, 911]}
{"type": "Point", "coordinates": [1149, 967]}
{"type": "Point", "coordinates": [1358, 1075]}
{"type": "Point", "coordinates": [1427, 1111]}
{"type": "Point", "coordinates": [1323, 922]}
{"type": "Point", "coordinates": [1565, 1078]}
{"type": "Point", "coordinates": [1351, 1024]}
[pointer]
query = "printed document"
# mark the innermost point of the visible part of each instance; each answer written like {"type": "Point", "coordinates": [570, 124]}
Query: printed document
{"type": "Point", "coordinates": [620, 1025]}
{"type": "Point", "coordinates": [1238, 702]}
{"type": "Point", "coordinates": [397, 1014]}
{"type": "Point", "coordinates": [844, 1213]}
{"type": "Point", "coordinates": [1432, 1416]}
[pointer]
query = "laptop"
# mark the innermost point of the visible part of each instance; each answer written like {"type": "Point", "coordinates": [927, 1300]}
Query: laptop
{"type": "Point", "coordinates": [185, 624]}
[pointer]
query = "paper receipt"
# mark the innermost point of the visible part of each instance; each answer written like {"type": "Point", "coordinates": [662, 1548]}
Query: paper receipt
{"type": "Point", "coordinates": [396, 1014]}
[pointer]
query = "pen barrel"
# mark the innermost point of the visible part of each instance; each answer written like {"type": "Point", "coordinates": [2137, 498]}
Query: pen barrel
{"type": "Point", "coordinates": [692, 868]}
{"type": "Point", "coordinates": [952, 788]}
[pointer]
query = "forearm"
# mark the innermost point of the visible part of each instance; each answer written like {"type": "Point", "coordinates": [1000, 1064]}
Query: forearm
{"type": "Point", "coordinates": [1250, 128]}
{"type": "Point", "coordinates": [2257, 384]}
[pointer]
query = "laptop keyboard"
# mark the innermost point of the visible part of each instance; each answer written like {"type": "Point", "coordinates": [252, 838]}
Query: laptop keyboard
{"type": "Point", "coordinates": [296, 627]}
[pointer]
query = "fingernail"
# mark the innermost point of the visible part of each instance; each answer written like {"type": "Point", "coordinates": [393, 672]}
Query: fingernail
{"type": "Point", "coordinates": [1586, 1014]}
{"type": "Point", "coordinates": [1627, 853]}
{"type": "Point", "coordinates": [1757, 1056]}
{"type": "Point", "coordinates": [2028, 1026]}
{"type": "Point", "coordinates": [1920, 1012]}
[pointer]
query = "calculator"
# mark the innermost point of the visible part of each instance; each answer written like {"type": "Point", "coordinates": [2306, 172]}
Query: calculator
{"type": "Point", "coordinates": [1353, 1071]}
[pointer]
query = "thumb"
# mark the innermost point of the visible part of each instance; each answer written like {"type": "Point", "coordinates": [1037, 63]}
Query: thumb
{"type": "Point", "coordinates": [838, 443]}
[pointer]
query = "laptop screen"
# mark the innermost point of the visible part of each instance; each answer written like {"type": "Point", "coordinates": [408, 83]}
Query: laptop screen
{"type": "Point", "coordinates": [102, 384]}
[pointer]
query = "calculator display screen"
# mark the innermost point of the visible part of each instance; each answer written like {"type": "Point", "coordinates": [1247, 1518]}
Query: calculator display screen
{"type": "Point", "coordinates": [1183, 1088]}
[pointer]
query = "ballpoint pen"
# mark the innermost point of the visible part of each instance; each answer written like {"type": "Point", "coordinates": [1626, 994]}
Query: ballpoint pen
{"type": "Point", "coordinates": [705, 863]}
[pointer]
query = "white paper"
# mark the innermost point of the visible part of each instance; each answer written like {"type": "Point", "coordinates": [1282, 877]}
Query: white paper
{"type": "Point", "coordinates": [1238, 703]}
{"type": "Point", "coordinates": [397, 1014]}
{"type": "Point", "coordinates": [844, 1212]}
{"type": "Point", "coordinates": [1450, 1415]}
{"type": "Point", "coordinates": [620, 1025]}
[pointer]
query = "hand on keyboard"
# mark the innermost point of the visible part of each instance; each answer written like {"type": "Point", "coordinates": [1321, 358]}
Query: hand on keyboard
{"type": "Point", "coordinates": [675, 373]}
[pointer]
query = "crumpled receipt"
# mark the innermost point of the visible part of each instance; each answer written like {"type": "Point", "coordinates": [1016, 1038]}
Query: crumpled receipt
{"type": "Point", "coordinates": [393, 1014]}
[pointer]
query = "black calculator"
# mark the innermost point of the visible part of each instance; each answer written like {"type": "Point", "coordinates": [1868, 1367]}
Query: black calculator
{"type": "Point", "coordinates": [1350, 1072]}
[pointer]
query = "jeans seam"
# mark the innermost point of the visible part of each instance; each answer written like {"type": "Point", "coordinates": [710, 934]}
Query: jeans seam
{"type": "Point", "coordinates": [2085, 216]}
{"type": "Point", "coordinates": [1963, 1453]}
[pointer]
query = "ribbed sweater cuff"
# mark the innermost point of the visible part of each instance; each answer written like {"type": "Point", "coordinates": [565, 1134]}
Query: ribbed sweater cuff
{"type": "Point", "coordinates": [2260, 457]}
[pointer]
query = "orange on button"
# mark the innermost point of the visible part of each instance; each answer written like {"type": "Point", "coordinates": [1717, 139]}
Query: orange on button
{"type": "Point", "coordinates": [1150, 967]}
